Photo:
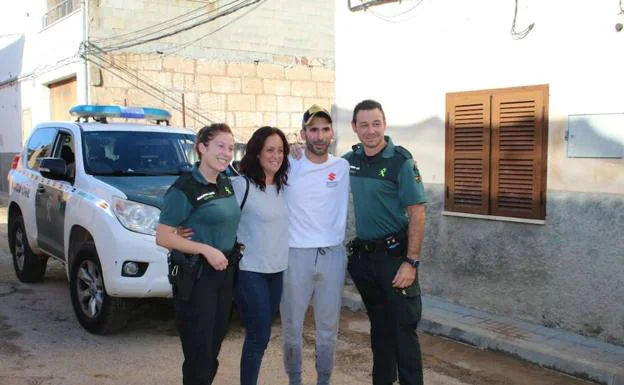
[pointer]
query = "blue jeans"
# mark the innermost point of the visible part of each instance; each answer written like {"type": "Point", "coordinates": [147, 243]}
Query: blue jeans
{"type": "Point", "coordinates": [258, 297]}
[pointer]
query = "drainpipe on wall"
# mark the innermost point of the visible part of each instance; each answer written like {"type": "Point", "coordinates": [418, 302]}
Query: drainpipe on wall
{"type": "Point", "coordinates": [85, 38]}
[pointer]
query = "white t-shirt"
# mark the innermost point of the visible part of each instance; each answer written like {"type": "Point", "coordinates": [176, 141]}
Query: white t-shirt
{"type": "Point", "coordinates": [317, 197]}
{"type": "Point", "coordinates": [263, 228]}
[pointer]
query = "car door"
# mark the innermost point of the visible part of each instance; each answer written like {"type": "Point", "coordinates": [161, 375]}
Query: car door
{"type": "Point", "coordinates": [51, 200]}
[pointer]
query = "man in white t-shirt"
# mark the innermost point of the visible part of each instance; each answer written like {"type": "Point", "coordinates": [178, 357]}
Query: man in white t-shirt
{"type": "Point", "coordinates": [317, 198]}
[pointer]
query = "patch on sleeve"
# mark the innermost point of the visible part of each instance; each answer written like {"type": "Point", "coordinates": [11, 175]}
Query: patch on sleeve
{"type": "Point", "coordinates": [417, 177]}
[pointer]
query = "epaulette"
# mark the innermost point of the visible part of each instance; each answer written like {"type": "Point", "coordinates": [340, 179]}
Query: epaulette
{"type": "Point", "coordinates": [183, 179]}
{"type": "Point", "coordinates": [403, 152]}
{"type": "Point", "coordinates": [357, 148]}
{"type": "Point", "coordinates": [191, 188]}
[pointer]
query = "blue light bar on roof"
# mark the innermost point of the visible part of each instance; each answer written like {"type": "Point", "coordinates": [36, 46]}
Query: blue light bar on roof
{"type": "Point", "coordinates": [96, 111]}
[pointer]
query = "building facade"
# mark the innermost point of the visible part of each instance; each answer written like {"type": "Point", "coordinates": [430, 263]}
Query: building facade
{"type": "Point", "coordinates": [514, 116]}
{"type": "Point", "coordinates": [248, 63]}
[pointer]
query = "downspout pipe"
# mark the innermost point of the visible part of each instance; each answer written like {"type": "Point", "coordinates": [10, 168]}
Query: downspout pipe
{"type": "Point", "coordinates": [85, 39]}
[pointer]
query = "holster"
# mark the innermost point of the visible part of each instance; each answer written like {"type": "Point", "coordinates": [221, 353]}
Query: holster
{"type": "Point", "coordinates": [394, 244]}
{"type": "Point", "coordinates": [234, 257]}
{"type": "Point", "coordinates": [236, 254]}
{"type": "Point", "coordinates": [184, 271]}
{"type": "Point", "coordinates": [354, 247]}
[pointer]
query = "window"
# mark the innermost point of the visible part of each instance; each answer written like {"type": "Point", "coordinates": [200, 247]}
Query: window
{"type": "Point", "coordinates": [496, 150]}
{"type": "Point", "coordinates": [138, 153]}
{"type": "Point", "coordinates": [65, 149]}
{"type": "Point", "coordinates": [40, 146]}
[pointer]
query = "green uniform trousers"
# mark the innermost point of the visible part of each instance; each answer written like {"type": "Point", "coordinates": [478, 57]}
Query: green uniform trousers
{"type": "Point", "coordinates": [394, 315]}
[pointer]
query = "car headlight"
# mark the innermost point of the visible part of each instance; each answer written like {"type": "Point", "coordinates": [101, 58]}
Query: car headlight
{"type": "Point", "coordinates": [136, 216]}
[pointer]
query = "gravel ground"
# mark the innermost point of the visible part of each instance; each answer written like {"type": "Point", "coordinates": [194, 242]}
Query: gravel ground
{"type": "Point", "coordinates": [41, 343]}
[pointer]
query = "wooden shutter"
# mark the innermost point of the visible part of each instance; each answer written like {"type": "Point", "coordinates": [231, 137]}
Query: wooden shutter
{"type": "Point", "coordinates": [467, 153]}
{"type": "Point", "coordinates": [519, 140]}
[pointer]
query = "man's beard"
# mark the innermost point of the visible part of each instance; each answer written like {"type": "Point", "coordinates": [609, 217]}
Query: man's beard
{"type": "Point", "coordinates": [312, 149]}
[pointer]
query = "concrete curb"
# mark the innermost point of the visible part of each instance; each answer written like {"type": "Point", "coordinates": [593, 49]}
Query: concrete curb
{"type": "Point", "coordinates": [556, 349]}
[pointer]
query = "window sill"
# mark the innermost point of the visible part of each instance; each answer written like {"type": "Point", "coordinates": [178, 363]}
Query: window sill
{"type": "Point", "coordinates": [495, 218]}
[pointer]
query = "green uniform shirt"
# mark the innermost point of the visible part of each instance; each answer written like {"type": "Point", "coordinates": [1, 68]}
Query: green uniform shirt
{"type": "Point", "coordinates": [382, 188]}
{"type": "Point", "coordinates": [215, 215]}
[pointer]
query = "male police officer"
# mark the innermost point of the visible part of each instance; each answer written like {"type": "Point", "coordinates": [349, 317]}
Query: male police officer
{"type": "Point", "coordinates": [388, 200]}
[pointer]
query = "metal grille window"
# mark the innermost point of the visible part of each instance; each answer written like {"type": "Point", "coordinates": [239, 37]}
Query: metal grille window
{"type": "Point", "coordinates": [58, 10]}
{"type": "Point", "coordinates": [496, 149]}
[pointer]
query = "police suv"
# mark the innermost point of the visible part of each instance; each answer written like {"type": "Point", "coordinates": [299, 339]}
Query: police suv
{"type": "Point", "coordinates": [88, 194]}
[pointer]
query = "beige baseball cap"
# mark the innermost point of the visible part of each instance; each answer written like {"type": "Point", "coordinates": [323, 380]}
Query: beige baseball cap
{"type": "Point", "coordinates": [312, 112]}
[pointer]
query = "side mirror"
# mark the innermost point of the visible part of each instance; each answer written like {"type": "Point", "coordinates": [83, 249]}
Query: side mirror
{"type": "Point", "coordinates": [53, 168]}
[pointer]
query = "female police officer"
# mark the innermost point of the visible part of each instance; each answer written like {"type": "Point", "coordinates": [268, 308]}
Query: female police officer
{"type": "Point", "coordinates": [204, 201]}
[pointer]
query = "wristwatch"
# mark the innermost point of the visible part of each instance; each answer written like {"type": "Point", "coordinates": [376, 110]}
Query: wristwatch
{"type": "Point", "coordinates": [413, 262]}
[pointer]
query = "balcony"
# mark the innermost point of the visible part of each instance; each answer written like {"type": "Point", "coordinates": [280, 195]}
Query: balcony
{"type": "Point", "coordinates": [59, 11]}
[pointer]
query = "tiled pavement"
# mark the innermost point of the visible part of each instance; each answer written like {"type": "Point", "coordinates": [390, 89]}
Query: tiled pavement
{"type": "Point", "coordinates": [567, 352]}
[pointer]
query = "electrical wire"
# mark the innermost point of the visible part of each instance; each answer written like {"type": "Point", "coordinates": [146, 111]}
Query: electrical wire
{"type": "Point", "coordinates": [100, 56]}
{"type": "Point", "coordinates": [102, 60]}
{"type": "Point", "coordinates": [179, 47]}
{"type": "Point", "coordinates": [155, 29]}
{"type": "Point", "coordinates": [151, 89]}
{"type": "Point", "coordinates": [40, 70]}
{"type": "Point", "coordinates": [180, 30]}
{"type": "Point", "coordinates": [184, 45]}
{"type": "Point", "coordinates": [522, 34]}
{"type": "Point", "coordinates": [159, 27]}
{"type": "Point", "coordinates": [396, 18]}
{"type": "Point", "coordinates": [100, 41]}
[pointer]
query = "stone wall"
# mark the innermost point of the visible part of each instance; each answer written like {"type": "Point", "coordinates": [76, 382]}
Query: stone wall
{"type": "Point", "coordinates": [244, 95]}
{"type": "Point", "coordinates": [267, 28]}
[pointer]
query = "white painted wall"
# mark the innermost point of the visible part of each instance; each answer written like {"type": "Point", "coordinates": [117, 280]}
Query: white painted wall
{"type": "Point", "coordinates": [46, 56]}
{"type": "Point", "coordinates": [11, 50]}
{"type": "Point", "coordinates": [10, 118]}
{"type": "Point", "coordinates": [409, 62]}
{"type": "Point", "coordinates": [11, 47]}
{"type": "Point", "coordinates": [15, 15]}
{"type": "Point", "coordinates": [52, 54]}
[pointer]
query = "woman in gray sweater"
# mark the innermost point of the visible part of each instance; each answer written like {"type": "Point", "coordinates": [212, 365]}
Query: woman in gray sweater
{"type": "Point", "coordinates": [263, 230]}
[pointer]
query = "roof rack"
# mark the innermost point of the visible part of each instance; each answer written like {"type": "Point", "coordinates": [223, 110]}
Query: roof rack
{"type": "Point", "coordinates": [101, 113]}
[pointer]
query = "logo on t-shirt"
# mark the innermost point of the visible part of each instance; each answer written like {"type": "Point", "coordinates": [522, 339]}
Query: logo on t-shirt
{"type": "Point", "coordinates": [331, 179]}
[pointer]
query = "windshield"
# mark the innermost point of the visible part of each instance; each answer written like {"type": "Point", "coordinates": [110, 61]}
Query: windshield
{"type": "Point", "coordinates": [138, 153]}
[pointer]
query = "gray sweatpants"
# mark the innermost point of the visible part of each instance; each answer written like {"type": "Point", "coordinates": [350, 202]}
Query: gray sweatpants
{"type": "Point", "coordinates": [317, 275]}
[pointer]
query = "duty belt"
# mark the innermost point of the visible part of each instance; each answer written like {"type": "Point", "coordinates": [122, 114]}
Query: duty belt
{"type": "Point", "coordinates": [372, 245]}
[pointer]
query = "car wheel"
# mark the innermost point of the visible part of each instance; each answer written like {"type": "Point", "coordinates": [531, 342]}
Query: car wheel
{"type": "Point", "coordinates": [96, 311]}
{"type": "Point", "coordinates": [29, 267]}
